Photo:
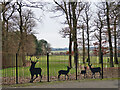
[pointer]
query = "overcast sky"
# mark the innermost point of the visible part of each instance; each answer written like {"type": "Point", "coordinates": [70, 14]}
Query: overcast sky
{"type": "Point", "coordinates": [49, 29]}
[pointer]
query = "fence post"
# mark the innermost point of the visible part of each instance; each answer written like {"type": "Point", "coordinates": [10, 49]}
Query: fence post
{"type": "Point", "coordinates": [102, 63]}
{"type": "Point", "coordinates": [76, 59]}
{"type": "Point", "coordinates": [16, 68]}
{"type": "Point", "coordinates": [47, 67]}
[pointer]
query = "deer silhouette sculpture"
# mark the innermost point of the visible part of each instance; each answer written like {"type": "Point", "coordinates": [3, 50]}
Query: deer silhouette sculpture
{"type": "Point", "coordinates": [94, 70]}
{"type": "Point", "coordinates": [65, 72]}
{"type": "Point", "coordinates": [34, 71]}
{"type": "Point", "coordinates": [84, 72]}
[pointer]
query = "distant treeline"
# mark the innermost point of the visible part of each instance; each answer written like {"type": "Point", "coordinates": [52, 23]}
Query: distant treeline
{"type": "Point", "coordinates": [59, 49]}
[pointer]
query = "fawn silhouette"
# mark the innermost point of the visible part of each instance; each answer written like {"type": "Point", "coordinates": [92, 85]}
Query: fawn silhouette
{"type": "Point", "coordinates": [84, 72]}
{"type": "Point", "coordinates": [65, 72]}
{"type": "Point", "coordinates": [94, 70]}
{"type": "Point", "coordinates": [35, 71]}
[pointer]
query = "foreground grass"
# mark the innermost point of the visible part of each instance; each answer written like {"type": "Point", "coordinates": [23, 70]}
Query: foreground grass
{"type": "Point", "coordinates": [54, 82]}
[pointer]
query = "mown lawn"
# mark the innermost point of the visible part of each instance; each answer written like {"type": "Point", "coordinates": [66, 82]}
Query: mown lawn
{"type": "Point", "coordinates": [56, 63]}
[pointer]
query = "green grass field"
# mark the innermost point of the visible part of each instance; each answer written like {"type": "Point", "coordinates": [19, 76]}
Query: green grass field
{"type": "Point", "coordinates": [56, 63]}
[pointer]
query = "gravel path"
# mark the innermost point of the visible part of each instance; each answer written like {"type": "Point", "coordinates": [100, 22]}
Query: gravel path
{"type": "Point", "coordinates": [78, 84]}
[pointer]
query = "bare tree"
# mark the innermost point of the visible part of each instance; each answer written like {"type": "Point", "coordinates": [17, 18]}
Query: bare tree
{"type": "Point", "coordinates": [114, 18]}
{"type": "Point", "coordinates": [21, 43]}
{"type": "Point", "coordinates": [109, 33]}
{"type": "Point", "coordinates": [17, 25]}
{"type": "Point", "coordinates": [99, 24]}
{"type": "Point", "coordinates": [82, 38]}
{"type": "Point", "coordinates": [72, 12]}
{"type": "Point", "coordinates": [7, 11]}
{"type": "Point", "coordinates": [86, 19]}
{"type": "Point", "coordinates": [6, 15]}
{"type": "Point", "coordinates": [66, 32]}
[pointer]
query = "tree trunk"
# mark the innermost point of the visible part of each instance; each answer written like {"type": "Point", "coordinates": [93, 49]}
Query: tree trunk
{"type": "Point", "coordinates": [74, 31]}
{"type": "Point", "coordinates": [3, 28]}
{"type": "Point", "coordinates": [3, 38]}
{"type": "Point", "coordinates": [109, 35]}
{"type": "Point", "coordinates": [115, 44]}
{"type": "Point", "coordinates": [100, 39]}
{"type": "Point", "coordinates": [70, 51]}
{"type": "Point", "coordinates": [21, 43]}
{"type": "Point", "coordinates": [100, 45]}
{"type": "Point", "coordinates": [70, 37]}
{"type": "Point", "coordinates": [0, 39]}
{"type": "Point", "coordinates": [88, 40]}
{"type": "Point", "coordinates": [6, 40]}
{"type": "Point", "coordinates": [83, 46]}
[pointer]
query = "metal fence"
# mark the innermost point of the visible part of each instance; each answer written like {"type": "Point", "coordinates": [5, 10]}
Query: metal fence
{"type": "Point", "coordinates": [14, 72]}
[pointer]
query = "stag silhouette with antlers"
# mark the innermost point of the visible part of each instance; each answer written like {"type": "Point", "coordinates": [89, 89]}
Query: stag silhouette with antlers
{"type": "Point", "coordinates": [34, 71]}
